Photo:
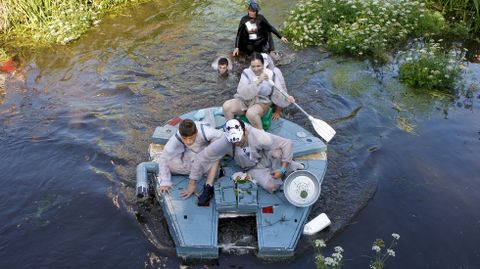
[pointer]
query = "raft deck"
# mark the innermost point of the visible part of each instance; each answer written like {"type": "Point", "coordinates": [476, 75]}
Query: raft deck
{"type": "Point", "coordinates": [279, 224]}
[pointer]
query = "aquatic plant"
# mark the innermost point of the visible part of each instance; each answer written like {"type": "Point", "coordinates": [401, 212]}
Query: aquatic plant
{"type": "Point", "coordinates": [467, 11]}
{"type": "Point", "coordinates": [428, 66]}
{"type": "Point", "coordinates": [42, 22]}
{"type": "Point", "coordinates": [335, 260]}
{"type": "Point", "coordinates": [381, 253]}
{"type": "Point", "coordinates": [361, 27]}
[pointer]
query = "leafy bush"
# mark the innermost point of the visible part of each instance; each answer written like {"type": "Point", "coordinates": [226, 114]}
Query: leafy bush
{"type": "Point", "coordinates": [465, 11]}
{"type": "Point", "coordinates": [360, 27]}
{"type": "Point", "coordinates": [3, 55]}
{"type": "Point", "coordinates": [427, 66]}
{"type": "Point", "coordinates": [52, 21]}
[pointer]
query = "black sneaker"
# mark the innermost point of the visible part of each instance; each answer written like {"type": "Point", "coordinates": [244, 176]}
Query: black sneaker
{"type": "Point", "coordinates": [207, 194]}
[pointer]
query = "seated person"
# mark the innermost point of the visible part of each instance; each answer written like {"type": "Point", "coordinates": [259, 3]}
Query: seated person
{"type": "Point", "coordinates": [254, 92]}
{"type": "Point", "coordinates": [179, 154]}
{"type": "Point", "coordinates": [264, 156]}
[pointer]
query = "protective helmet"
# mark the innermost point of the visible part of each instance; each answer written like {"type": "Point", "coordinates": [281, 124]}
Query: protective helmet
{"type": "Point", "coordinates": [233, 131]}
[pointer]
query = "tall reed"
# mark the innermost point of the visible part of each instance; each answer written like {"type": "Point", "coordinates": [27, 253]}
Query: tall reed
{"type": "Point", "coordinates": [52, 21]}
{"type": "Point", "coordinates": [466, 10]}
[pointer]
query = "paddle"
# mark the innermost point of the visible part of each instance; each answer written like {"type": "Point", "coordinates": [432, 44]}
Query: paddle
{"type": "Point", "coordinates": [322, 128]}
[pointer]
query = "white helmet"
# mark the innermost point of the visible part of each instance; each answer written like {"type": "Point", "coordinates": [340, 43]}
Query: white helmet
{"type": "Point", "coordinates": [233, 131]}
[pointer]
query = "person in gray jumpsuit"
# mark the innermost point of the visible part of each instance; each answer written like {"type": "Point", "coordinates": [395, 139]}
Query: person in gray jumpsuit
{"type": "Point", "coordinates": [264, 156]}
{"type": "Point", "coordinates": [179, 154]}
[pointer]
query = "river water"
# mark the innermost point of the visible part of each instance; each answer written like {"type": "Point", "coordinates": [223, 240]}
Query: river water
{"type": "Point", "coordinates": [77, 120]}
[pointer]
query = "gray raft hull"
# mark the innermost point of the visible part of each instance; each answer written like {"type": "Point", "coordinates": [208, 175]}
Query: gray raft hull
{"type": "Point", "coordinates": [279, 224]}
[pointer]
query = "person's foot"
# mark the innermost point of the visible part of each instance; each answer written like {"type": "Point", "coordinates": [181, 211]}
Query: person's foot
{"type": "Point", "coordinates": [207, 194]}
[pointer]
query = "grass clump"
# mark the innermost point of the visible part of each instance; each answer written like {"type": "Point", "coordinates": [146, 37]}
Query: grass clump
{"type": "Point", "coordinates": [428, 66]}
{"type": "Point", "coordinates": [3, 55]}
{"type": "Point", "coordinates": [361, 27]}
{"type": "Point", "coordinates": [336, 261]}
{"type": "Point", "coordinates": [466, 11]}
{"type": "Point", "coordinates": [43, 22]}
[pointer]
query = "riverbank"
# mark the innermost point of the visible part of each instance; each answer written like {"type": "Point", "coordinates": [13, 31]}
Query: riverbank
{"type": "Point", "coordinates": [31, 24]}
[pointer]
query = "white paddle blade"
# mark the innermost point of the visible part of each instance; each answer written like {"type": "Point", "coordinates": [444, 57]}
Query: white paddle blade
{"type": "Point", "coordinates": [323, 129]}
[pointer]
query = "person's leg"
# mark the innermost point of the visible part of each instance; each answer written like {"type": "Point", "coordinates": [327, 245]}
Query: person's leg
{"type": "Point", "coordinates": [207, 193]}
{"type": "Point", "coordinates": [264, 178]}
{"type": "Point", "coordinates": [212, 173]}
{"type": "Point", "coordinates": [180, 166]}
{"type": "Point", "coordinates": [231, 108]}
{"type": "Point", "coordinates": [249, 49]}
{"type": "Point", "coordinates": [255, 113]}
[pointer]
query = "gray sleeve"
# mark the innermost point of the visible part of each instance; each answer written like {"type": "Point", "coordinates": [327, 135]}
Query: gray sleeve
{"type": "Point", "coordinates": [280, 80]}
{"type": "Point", "coordinates": [246, 89]}
{"type": "Point", "coordinates": [172, 148]}
{"type": "Point", "coordinates": [213, 134]}
{"type": "Point", "coordinates": [270, 142]}
{"type": "Point", "coordinates": [287, 147]}
{"type": "Point", "coordinates": [213, 152]}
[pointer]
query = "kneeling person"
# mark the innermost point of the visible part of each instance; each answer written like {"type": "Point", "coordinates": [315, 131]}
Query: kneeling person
{"type": "Point", "coordinates": [179, 154]}
{"type": "Point", "coordinates": [265, 156]}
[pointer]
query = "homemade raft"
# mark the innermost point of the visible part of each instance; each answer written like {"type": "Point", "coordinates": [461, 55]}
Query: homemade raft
{"type": "Point", "coordinates": [279, 221]}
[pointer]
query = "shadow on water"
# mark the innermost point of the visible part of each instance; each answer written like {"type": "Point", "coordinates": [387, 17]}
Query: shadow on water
{"type": "Point", "coordinates": [73, 132]}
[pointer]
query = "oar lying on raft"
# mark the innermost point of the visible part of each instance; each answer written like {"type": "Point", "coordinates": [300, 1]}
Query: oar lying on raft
{"type": "Point", "coordinates": [322, 128]}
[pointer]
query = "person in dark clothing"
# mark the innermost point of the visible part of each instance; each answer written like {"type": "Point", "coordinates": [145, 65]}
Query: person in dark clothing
{"type": "Point", "coordinates": [255, 33]}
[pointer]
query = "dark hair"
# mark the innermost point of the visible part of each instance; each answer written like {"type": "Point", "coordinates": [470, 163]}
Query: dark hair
{"type": "Point", "coordinates": [222, 61]}
{"type": "Point", "coordinates": [256, 56]}
{"type": "Point", "coordinates": [252, 5]}
{"type": "Point", "coordinates": [242, 124]}
{"type": "Point", "coordinates": [187, 128]}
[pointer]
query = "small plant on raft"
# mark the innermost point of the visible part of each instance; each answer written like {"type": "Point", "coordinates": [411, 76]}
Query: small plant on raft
{"type": "Point", "coordinates": [335, 260]}
{"type": "Point", "coordinates": [427, 66]}
{"type": "Point", "coordinates": [361, 27]}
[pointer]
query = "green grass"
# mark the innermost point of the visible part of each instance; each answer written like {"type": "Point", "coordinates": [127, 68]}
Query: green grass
{"type": "Point", "coordinates": [45, 22]}
{"type": "Point", "coordinates": [3, 55]}
{"type": "Point", "coordinates": [467, 11]}
{"type": "Point", "coordinates": [428, 66]}
{"type": "Point", "coordinates": [362, 27]}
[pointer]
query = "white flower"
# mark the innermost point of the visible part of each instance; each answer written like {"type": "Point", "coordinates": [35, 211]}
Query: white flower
{"type": "Point", "coordinates": [338, 249]}
{"type": "Point", "coordinates": [320, 243]}
{"type": "Point", "coordinates": [391, 252]}
{"type": "Point", "coordinates": [337, 256]}
{"type": "Point", "coordinates": [329, 261]}
{"type": "Point", "coordinates": [376, 248]}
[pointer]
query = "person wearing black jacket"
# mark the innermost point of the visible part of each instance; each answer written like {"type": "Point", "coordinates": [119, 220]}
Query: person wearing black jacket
{"type": "Point", "coordinates": [255, 33]}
